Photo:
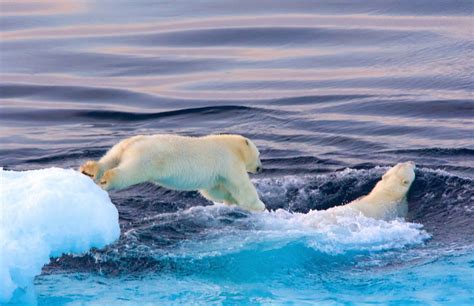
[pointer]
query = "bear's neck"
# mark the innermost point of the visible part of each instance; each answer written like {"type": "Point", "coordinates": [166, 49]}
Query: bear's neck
{"type": "Point", "coordinates": [382, 194]}
{"type": "Point", "coordinates": [229, 141]}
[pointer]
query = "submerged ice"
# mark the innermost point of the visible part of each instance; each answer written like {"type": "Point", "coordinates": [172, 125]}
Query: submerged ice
{"type": "Point", "coordinates": [45, 213]}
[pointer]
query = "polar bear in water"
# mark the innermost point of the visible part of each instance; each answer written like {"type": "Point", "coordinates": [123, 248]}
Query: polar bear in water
{"type": "Point", "coordinates": [388, 198]}
{"type": "Point", "coordinates": [216, 165]}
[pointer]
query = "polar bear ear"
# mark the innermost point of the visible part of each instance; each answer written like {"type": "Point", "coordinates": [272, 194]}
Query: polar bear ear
{"type": "Point", "coordinates": [247, 142]}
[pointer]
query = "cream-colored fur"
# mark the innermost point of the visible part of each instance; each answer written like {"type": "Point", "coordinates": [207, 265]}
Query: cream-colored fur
{"type": "Point", "coordinates": [388, 198]}
{"type": "Point", "coordinates": [216, 165]}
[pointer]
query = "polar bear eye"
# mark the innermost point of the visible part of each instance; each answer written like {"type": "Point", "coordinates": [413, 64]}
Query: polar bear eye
{"type": "Point", "coordinates": [405, 182]}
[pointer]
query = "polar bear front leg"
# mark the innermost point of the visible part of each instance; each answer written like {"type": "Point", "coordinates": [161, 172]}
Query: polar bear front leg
{"type": "Point", "coordinates": [124, 175]}
{"type": "Point", "coordinates": [111, 159]}
{"type": "Point", "coordinates": [244, 192]}
{"type": "Point", "coordinates": [95, 169]}
{"type": "Point", "coordinates": [218, 194]}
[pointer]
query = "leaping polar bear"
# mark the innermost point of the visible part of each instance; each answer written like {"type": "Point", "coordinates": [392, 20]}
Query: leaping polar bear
{"type": "Point", "coordinates": [216, 165]}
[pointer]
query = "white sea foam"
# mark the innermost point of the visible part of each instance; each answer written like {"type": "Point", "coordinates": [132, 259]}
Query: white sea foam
{"type": "Point", "coordinates": [343, 229]}
{"type": "Point", "coordinates": [45, 213]}
{"type": "Point", "coordinates": [334, 231]}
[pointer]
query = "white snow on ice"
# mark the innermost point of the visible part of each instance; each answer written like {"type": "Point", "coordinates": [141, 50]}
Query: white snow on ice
{"type": "Point", "coordinates": [45, 213]}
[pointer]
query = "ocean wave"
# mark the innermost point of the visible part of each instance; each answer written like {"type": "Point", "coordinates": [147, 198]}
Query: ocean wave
{"type": "Point", "coordinates": [435, 152]}
{"type": "Point", "coordinates": [448, 108]}
{"type": "Point", "coordinates": [45, 115]}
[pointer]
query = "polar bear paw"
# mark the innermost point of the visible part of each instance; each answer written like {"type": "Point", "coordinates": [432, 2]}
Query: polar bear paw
{"type": "Point", "coordinates": [107, 180]}
{"type": "Point", "coordinates": [260, 206]}
{"type": "Point", "coordinates": [256, 206]}
{"type": "Point", "coordinates": [90, 168]}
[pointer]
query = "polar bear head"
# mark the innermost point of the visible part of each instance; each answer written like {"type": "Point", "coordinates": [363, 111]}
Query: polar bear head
{"type": "Point", "coordinates": [243, 148]}
{"type": "Point", "coordinates": [397, 181]}
{"type": "Point", "coordinates": [246, 150]}
{"type": "Point", "coordinates": [251, 156]}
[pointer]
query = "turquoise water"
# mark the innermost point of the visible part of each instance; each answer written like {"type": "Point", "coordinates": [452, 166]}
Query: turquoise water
{"type": "Point", "coordinates": [290, 274]}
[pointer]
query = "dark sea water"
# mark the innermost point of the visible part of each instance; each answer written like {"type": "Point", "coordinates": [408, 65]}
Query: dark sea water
{"type": "Point", "coordinates": [332, 92]}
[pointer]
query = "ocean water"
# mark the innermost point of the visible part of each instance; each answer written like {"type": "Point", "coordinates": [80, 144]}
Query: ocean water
{"type": "Point", "coordinates": [332, 92]}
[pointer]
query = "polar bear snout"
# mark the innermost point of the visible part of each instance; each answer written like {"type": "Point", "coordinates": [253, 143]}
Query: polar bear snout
{"type": "Point", "coordinates": [412, 165]}
{"type": "Point", "coordinates": [409, 164]}
{"type": "Point", "coordinates": [257, 168]}
{"type": "Point", "coordinates": [408, 171]}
